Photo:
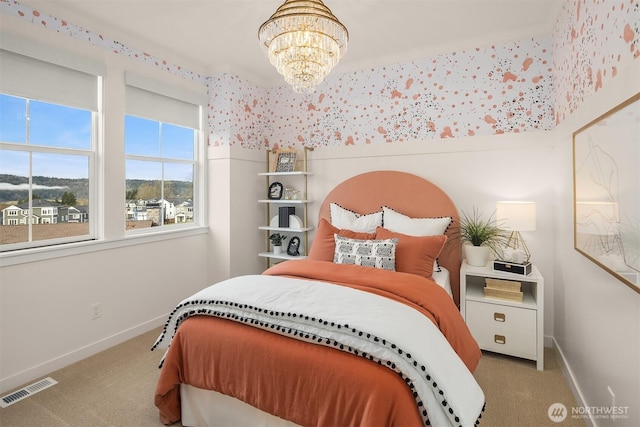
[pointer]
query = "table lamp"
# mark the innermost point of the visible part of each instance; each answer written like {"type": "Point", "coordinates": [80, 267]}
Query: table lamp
{"type": "Point", "coordinates": [516, 216]}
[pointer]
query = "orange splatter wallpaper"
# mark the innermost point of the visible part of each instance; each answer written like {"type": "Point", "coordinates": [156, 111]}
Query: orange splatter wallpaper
{"type": "Point", "coordinates": [524, 86]}
{"type": "Point", "coordinates": [593, 39]}
{"type": "Point", "coordinates": [499, 89]}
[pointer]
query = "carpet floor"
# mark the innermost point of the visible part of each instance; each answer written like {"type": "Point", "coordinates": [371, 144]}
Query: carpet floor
{"type": "Point", "coordinates": [116, 386]}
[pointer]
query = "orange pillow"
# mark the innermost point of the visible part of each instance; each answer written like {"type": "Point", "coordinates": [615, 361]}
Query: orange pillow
{"type": "Point", "coordinates": [324, 244]}
{"type": "Point", "coordinates": [414, 255]}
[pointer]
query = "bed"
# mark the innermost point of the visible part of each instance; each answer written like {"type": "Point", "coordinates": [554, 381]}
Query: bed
{"type": "Point", "coordinates": [343, 338]}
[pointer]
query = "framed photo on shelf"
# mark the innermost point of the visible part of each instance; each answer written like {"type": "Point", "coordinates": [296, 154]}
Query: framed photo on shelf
{"type": "Point", "coordinates": [285, 161]}
{"type": "Point", "coordinates": [276, 191]}
{"type": "Point", "coordinates": [294, 246]}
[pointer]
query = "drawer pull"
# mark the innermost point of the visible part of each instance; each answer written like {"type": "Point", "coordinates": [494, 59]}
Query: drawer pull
{"type": "Point", "coordinates": [499, 317]}
{"type": "Point", "coordinates": [500, 339]}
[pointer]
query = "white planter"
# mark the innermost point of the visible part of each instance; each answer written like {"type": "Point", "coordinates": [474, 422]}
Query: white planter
{"type": "Point", "coordinates": [277, 250]}
{"type": "Point", "coordinates": [477, 256]}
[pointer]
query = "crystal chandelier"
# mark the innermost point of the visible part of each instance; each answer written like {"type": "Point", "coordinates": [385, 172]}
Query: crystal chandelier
{"type": "Point", "coordinates": [304, 41]}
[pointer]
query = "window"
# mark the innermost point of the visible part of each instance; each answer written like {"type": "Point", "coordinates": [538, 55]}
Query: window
{"type": "Point", "coordinates": [161, 146]}
{"type": "Point", "coordinates": [48, 122]}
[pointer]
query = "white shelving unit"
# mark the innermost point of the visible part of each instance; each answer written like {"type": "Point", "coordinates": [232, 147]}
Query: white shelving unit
{"type": "Point", "coordinates": [296, 178]}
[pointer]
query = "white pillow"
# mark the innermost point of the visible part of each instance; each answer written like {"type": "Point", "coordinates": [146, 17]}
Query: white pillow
{"type": "Point", "coordinates": [420, 227]}
{"type": "Point", "coordinates": [348, 220]}
{"type": "Point", "coordinates": [400, 223]}
{"type": "Point", "coordinates": [368, 253]}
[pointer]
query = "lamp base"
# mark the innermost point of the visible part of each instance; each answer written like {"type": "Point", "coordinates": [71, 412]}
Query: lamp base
{"type": "Point", "coordinates": [516, 245]}
{"type": "Point", "coordinates": [523, 269]}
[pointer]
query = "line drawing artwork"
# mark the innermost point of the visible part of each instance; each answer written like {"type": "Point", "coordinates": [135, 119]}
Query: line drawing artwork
{"type": "Point", "coordinates": [607, 195]}
{"type": "Point", "coordinates": [597, 219]}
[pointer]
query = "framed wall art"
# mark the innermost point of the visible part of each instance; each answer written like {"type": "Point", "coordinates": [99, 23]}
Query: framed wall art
{"type": "Point", "coordinates": [606, 179]}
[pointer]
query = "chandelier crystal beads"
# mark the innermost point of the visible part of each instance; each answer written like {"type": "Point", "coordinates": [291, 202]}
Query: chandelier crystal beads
{"type": "Point", "coordinates": [304, 41]}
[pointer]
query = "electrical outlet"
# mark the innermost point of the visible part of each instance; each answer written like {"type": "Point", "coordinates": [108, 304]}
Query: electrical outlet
{"type": "Point", "coordinates": [96, 310]}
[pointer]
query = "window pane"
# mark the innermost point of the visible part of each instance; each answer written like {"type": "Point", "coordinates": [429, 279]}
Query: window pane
{"type": "Point", "coordinates": [60, 196]}
{"type": "Point", "coordinates": [14, 193]}
{"type": "Point", "coordinates": [160, 173]}
{"type": "Point", "coordinates": [177, 142]}
{"type": "Point", "coordinates": [141, 136]}
{"type": "Point", "coordinates": [63, 169]}
{"type": "Point", "coordinates": [13, 119]}
{"type": "Point", "coordinates": [60, 191]}
{"type": "Point", "coordinates": [59, 126]}
{"type": "Point", "coordinates": [178, 191]}
{"type": "Point", "coordinates": [144, 191]}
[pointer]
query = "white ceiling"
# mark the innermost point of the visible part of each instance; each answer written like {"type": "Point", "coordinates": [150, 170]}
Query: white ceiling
{"type": "Point", "coordinates": [212, 36]}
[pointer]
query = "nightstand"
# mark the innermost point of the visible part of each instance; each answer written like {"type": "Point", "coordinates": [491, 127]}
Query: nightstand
{"type": "Point", "coordinates": [503, 326]}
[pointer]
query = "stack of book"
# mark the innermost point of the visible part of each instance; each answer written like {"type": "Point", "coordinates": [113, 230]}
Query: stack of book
{"type": "Point", "coordinates": [503, 289]}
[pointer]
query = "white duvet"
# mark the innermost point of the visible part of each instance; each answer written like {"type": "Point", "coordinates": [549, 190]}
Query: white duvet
{"type": "Point", "coordinates": [359, 322]}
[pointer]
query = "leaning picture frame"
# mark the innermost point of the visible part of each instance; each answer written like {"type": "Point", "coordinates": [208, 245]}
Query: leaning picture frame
{"type": "Point", "coordinates": [285, 161]}
{"type": "Point", "coordinates": [606, 180]}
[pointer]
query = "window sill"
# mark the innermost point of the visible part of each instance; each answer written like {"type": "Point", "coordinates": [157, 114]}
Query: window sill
{"type": "Point", "coordinates": [70, 249]}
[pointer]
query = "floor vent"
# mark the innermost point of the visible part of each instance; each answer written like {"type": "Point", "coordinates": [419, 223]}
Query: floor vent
{"type": "Point", "coordinates": [27, 391]}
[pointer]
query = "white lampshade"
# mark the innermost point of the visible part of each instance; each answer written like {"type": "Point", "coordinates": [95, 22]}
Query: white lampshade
{"type": "Point", "coordinates": [516, 215]}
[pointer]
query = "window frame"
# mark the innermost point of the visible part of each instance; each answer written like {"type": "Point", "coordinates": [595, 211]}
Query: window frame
{"type": "Point", "coordinates": [90, 153]}
{"type": "Point", "coordinates": [155, 88]}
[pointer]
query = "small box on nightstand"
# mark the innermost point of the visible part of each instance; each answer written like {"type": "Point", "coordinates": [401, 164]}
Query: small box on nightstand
{"type": "Point", "coordinates": [512, 267]}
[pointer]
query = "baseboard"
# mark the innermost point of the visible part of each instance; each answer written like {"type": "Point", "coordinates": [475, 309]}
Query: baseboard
{"type": "Point", "coordinates": [568, 373]}
{"type": "Point", "coordinates": [44, 369]}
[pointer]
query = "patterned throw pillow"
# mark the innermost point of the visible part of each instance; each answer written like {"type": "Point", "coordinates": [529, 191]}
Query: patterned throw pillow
{"type": "Point", "coordinates": [368, 253]}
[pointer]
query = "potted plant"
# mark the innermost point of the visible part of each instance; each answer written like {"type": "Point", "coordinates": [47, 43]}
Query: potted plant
{"type": "Point", "coordinates": [276, 241]}
{"type": "Point", "coordinates": [479, 237]}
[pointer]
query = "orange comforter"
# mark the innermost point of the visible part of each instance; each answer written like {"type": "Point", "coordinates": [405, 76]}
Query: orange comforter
{"type": "Point", "coordinates": [308, 384]}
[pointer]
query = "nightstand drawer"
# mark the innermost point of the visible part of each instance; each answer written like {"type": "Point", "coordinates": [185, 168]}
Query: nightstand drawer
{"type": "Point", "coordinates": [503, 329]}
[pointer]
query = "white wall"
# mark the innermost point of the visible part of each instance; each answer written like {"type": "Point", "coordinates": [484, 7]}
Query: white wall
{"type": "Point", "coordinates": [45, 298]}
{"type": "Point", "coordinates": [234, 212]}
{"type": "Point", "coordinates": [45, 306]}
{"type": "Point", "coordinates": [597, 317]}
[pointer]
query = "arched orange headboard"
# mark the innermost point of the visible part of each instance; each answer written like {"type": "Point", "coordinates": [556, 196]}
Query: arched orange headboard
{"type": "Point", "coordinates": [406, 193]}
